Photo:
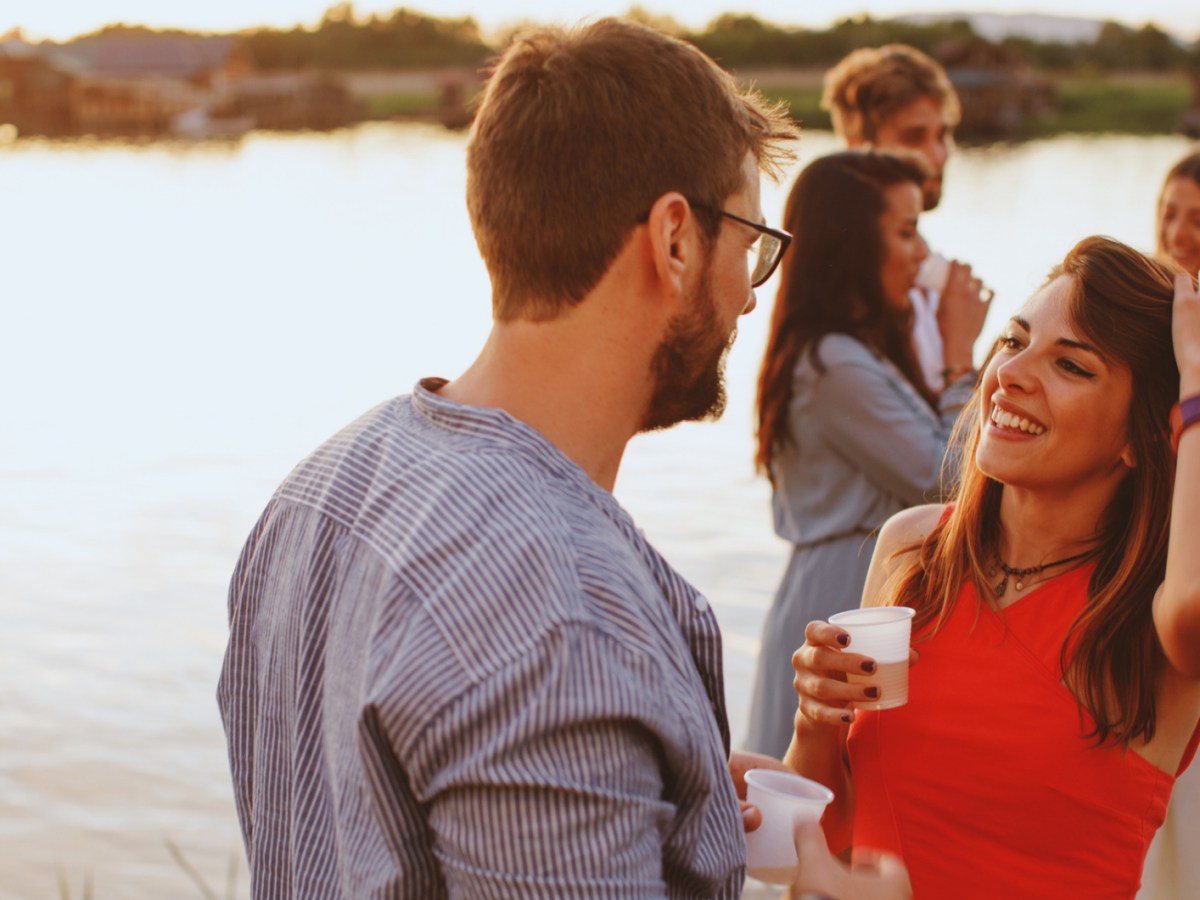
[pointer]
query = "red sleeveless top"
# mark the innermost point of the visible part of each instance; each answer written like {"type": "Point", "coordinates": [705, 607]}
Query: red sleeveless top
{"type": "Point", "coordinates": [985, 784]}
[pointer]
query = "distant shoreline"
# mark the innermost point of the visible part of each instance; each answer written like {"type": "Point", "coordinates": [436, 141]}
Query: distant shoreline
{"type": "Point", "coordinates": [1138, 103]}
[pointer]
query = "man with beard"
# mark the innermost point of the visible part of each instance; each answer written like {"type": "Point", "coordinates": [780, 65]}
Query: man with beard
{"type": "Point", "coordinates": [456, 668]}
{"type": "Point", "coordinates": [897, 99]}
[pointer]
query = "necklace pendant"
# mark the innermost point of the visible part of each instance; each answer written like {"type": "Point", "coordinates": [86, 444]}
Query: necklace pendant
{"type": "Point", "coordinates": [1020, 585]}
{"type": "Point", "coordinates": [1001, 588]}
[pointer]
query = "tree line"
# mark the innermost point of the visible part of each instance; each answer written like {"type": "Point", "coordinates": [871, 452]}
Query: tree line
{"type": "Point", "coordinates": [741, 40]}
{"type": "Point", "coordinates": [406, 39]}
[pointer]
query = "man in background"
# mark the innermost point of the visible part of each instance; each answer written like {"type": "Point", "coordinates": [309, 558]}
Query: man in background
{"type": "Point", "coordinates": [456, 667]}
{"type": "Point", "coordinates": [896, 98]}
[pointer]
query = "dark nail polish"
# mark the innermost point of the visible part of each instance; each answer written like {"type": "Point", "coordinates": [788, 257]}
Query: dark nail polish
{"type": "Point", "coordinates": [868, 667]}
{"type": "Point", "coordinates": [872, 693]}
{"type": "Point", "coordinates": [847, 718]}
{"type": "Point", "coordinates": [843, 639]}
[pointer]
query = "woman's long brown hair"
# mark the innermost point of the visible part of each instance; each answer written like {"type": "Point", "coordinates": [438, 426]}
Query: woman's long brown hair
{"type": "Point", "coordinates": [1112, 661]}
{"type": "Point", "coordinates": [830, 281]}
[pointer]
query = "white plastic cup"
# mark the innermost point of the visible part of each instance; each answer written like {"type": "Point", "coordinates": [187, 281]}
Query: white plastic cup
{"type": "Point", "coordinates": [933, 273]}
{"type": "Point", "coordinates": [785, 800]}
{"type": "Point", "coordinates": [882, 633]}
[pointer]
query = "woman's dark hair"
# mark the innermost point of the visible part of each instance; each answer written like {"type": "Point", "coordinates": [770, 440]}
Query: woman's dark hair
{"type": "Point", "coordinates": [831, 283]}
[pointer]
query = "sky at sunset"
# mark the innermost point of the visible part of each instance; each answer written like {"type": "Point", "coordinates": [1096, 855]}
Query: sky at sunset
{"type": "Point", "coordinates": [61, 19]}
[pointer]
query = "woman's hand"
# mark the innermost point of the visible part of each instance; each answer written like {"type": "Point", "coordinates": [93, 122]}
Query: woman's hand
{"type": "Point", "coordinates": [873, 876]}
{"type": "Point", "coordinates": [961, 313]}
{"type": "Point", "coordinates": [821, 665]}
{"type": "Point", "coordinates": [1185, 332]}
{"type": "Point", "coordinates": [823, 713]}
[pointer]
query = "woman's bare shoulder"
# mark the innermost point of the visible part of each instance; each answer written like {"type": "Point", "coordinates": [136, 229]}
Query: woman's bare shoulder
{"type": "Point", "coordinates": [909, 526]}
{"type": "Point", "coordinates": [902, 532]}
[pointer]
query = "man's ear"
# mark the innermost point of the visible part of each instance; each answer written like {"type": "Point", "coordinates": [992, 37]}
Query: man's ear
{"type": "Point", "coordinates": [673, 238]}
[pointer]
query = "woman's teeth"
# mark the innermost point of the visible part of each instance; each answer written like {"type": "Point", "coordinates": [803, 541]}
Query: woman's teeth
{"type": "Point", "coordinates": [1014, 422]}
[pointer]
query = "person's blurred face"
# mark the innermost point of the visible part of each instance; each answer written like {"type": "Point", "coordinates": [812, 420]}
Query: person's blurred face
{"type": "Point", "coordinates": [1179, 222]}
{"type": "Point", "coordinates": [922, 128]}
{"type": "Point", "coordinates": [903, 248]}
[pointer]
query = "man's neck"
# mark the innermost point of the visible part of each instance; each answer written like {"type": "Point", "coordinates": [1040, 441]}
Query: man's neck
{"type": "Point", "coordinates": [575, 385]}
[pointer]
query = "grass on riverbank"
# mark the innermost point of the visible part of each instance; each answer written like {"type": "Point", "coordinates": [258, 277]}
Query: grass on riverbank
{"type": "Point", "coordinates": [1134, 106]}
{"type": "Point", "coordinates": [400, 104]}
{"type": "Point", "coordinates": [181, 860]}
{"type": "Point", "coordinates": [1089, 105]}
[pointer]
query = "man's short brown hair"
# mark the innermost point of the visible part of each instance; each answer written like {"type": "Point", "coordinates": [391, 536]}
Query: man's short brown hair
{"type": "Point", "coordinates": [873, 83]}
{"type": "Point", "coordinates": [578, 134]}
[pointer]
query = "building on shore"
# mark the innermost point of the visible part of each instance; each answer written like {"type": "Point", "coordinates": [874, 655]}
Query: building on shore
{"type": "Point", "coordinates": [136, 82]}
{"type": "Point", "coordinates": [997, 88]}
{"type": "Point", "coordinates": [35, 93]}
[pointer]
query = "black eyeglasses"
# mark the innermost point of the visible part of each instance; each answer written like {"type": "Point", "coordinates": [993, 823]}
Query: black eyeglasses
{"type": "Point", "coordinates": [765, 253]}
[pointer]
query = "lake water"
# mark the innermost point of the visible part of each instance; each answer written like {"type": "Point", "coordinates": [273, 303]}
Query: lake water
{"type": "Point", "coordinates": [183, 322]}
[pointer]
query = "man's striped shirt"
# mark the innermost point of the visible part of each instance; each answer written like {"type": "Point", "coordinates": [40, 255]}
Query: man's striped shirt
{"type": "Point", "coordinates": [456, 668]}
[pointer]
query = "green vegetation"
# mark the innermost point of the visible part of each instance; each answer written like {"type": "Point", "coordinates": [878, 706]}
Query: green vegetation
{"type": "Point", "coordinates": [1134, 80]}
{"type": "Point", "coordinates": [405, 39]}
{"type": "Point", "coordinates": [401, 40]}
{"type": "Point", "coordinates": [181, 860]}
{"type": "Point", "coordinates": [1089, 105]}
{"type": "Point", "coordinates": [740, 41]}
{"type": "Point", "coordinates": [1100, 104]}
{"type": "Point", "coordinates": [401, 104]}
{"type": "Point", "coordinates": [1116, 48]}
{"type": "Point", "coordinates": [804, 104]}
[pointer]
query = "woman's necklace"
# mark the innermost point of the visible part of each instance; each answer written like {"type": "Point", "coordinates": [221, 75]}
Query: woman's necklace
{"type": "Point", "coordinates": [1021, 574]}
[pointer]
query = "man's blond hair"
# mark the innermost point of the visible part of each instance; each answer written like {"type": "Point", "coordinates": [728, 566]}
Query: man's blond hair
{"type": "Point", "coordinates": [872, 84]}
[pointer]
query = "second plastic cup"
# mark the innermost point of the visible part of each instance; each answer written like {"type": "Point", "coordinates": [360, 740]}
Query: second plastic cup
{"type": "Point", "coordinates": [883, 633]}
{"type": "Point", "coordinates": [785, 800]}
{"type": "Point", "coordinates": [933, 273]}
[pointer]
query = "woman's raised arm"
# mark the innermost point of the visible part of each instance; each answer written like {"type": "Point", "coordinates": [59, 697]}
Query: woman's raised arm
{"type": "Point", "coordinates": [1177, 605]}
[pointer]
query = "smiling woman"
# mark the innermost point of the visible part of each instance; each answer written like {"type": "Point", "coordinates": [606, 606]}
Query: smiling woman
{"type": "Point", "coordinates": [1045, 381]}
{"type": "Point", "coordinates": [1179, 214]}
{"type": "Point", "coordinates": [1059, 562]}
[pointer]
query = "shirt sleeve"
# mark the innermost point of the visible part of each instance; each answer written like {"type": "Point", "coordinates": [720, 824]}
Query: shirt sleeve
{"type": "Point", "coordinates": [882, 431]}
{"type": "Point", "coordinates": [546, 779]}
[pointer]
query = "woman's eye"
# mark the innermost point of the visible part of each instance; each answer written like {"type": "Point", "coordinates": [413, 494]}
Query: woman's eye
{"type": "Point", "coordinates": [1074, 368]}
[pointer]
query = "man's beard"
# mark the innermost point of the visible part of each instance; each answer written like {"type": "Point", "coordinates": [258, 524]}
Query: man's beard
{"type": "Point", "coordinates": [689, 366]}
{"type": "Point", "coordinates": [931, 193]}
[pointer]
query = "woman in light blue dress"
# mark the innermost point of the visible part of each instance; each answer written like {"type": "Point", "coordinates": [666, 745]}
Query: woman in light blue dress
{"type": "Point", "coordinates": [848, 431]}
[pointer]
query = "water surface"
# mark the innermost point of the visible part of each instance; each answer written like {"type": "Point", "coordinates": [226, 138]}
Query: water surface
{"type": "Point", "coordinates": [183, 322]}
